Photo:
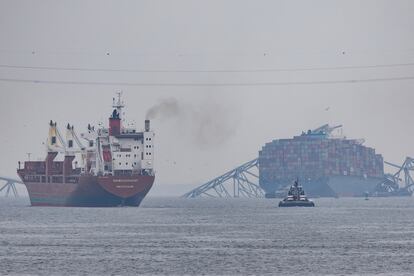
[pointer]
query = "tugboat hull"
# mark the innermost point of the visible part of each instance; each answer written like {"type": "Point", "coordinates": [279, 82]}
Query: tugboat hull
{"type": "Point", "coordinates": [296, 204]}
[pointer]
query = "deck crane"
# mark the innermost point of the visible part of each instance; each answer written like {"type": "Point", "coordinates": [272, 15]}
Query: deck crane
{"type": "Point", "coordinates": [327, 129]}
{"type": "Point", "coordinates": [66, 146]}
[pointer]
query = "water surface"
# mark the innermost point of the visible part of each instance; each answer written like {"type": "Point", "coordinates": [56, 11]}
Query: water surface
{"type": "Point", "coordinates": [210, 236]}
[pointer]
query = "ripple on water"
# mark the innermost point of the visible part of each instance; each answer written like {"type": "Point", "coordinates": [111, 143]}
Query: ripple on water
{"type": "Point", "coordinates": [207, 236]}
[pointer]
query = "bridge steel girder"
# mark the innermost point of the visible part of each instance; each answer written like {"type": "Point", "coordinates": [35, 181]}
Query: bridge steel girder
{"type": "Point", "coordinates": [401, 182]}
{"type": "Point", "coordinates": [237, 182]}
{"type": "Point", "coordinates": [10, 186]}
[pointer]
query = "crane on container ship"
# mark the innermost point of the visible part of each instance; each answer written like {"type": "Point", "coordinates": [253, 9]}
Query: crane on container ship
{"type": "Point", "coordinates": [327, 129]}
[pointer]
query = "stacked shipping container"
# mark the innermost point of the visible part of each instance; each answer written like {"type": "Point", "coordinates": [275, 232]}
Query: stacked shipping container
{"type": "Point", "coordinates": [313, 157]}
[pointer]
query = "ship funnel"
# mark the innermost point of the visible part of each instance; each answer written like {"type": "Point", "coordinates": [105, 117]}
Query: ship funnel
{"type": "Point", "coordinates": [147, 125]}
{"type": "Point", "coordinates": [114, 124]}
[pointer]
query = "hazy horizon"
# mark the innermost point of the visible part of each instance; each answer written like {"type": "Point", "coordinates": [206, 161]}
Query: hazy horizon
{"type": "Point", "coordinates": [214, 42]}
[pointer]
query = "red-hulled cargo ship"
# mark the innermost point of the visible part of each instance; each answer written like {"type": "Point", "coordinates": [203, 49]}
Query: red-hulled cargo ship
{"type": "Point", "coordinates": [114, 169]}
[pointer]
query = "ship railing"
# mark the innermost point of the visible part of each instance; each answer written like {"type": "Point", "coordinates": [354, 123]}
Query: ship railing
{"type": "Point", "coordinates": [72, 179]}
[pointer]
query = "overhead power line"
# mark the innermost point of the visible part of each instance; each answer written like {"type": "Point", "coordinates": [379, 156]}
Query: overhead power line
{"type": "Point", "coordinates": [82, 69]}
{"type": "Point", "coordinates": [222, 84]}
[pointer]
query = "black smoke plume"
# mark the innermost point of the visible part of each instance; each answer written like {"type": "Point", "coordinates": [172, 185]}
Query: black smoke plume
{"type": "Point", "coordinates": [207, 124]}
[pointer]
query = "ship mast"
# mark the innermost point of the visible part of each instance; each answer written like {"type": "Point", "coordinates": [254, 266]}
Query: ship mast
{"type": "Point", "coordinates": [118, 104]}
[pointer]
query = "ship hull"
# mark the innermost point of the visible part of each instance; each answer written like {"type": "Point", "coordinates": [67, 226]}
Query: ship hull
{"type": "Point", "coordinates": [91, 191]}
{"type": "Point", "coordinates": [331, 186]}
{"type": "Point", "coordinates": [296, 203]}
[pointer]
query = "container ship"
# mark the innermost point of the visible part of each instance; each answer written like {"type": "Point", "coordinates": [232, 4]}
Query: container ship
{"type": "Point", "coordinates": [113, 168]}
{"type": "Point", "coordinates": [326, 165]}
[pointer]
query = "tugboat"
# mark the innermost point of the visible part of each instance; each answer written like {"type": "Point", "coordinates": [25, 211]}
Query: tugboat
{"type": "Point", "coordinates": [296, 197]}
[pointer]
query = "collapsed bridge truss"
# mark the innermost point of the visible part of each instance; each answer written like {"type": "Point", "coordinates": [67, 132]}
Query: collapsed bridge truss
{"type": "Point", "coordinates": [239, 182]}
{"type": "Point", "coordinates": [10, 186]}
{"type": "Point", "coordinates": [400, 183]}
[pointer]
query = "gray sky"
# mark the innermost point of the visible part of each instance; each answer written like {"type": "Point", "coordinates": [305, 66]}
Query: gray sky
{"type": "Point", "coordinates": [208, 35]}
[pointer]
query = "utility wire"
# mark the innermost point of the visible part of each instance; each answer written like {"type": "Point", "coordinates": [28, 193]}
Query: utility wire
{"type": "Point", "coordinates": [224, 84]}
{"type": "Point", "coordinates": [53, 68]}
